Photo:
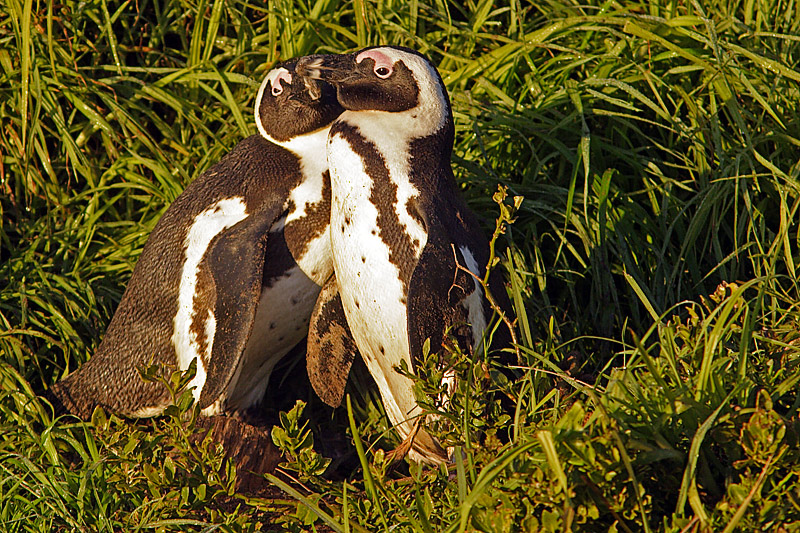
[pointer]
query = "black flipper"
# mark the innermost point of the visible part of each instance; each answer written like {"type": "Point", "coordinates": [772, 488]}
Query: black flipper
{"type": "Point", "coordinates": [236, 262]}
{"type": "Point", "coordinates": [331, 348]}
{"type": "Point", "coordinates": [435, 293]}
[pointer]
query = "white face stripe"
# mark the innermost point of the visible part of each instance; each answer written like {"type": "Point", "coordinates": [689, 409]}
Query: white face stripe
{"type": "Point", "coordinates": [273, 78]}
{"type": "Point", "coordinates": [206, 226]}
{"type": "Point", "coordinates": [309, 147]}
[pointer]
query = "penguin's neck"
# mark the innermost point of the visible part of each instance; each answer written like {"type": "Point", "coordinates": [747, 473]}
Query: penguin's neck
{"type": "Point", "coordinates": [390, 133]}
{"type": "Point", "coordinates": [383, 139]}
{"type": "Point", "coordinates": [309, 149]}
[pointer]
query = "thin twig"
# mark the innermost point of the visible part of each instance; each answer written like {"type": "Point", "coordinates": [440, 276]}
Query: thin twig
{"type": "Point", "coordinates": [565, 376]}
{"type": "Point", "coordinates": [492, 303]}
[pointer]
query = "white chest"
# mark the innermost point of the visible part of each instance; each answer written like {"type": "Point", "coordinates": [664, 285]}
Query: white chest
{"type": "Point", "coordinates": [310, 219]}
{"type": "Point", "coordinates": [373, 294]}
{"type": "Point", "coordinates": [317, 262]}
{"type": "Point", "coordinates": [370, 285]}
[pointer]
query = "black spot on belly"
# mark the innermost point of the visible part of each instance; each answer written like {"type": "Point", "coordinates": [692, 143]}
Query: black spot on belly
{"type": "Point", "coordinates": [383, 351]}
{"type": "Point", "coordinates": [347, 221]}
{"type": "Point", "coordinates": [342, 228]}
{"type": "Point", "coordinates": [363, 259]}
{"type": "Point", "coordinates": [272, 325]}
{"type": "Point", "coordinates": [358, 305]}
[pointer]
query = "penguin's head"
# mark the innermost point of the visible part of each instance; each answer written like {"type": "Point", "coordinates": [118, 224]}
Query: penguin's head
{"type": "Point", "coordinates": [386, 79]}
{"type": "Point", "coordinates": [289, 106]}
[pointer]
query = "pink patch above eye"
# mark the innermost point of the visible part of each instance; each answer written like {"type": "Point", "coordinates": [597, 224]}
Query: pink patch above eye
{"type": "Point", "coordinates": [381, 59]}
{"type": "Point", "coordinates": [282, 76]}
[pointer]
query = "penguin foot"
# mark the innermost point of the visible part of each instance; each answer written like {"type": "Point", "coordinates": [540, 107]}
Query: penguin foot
{"type": "Point", "coordinates": [395, 456]}
{"type": "Point", "coordinates": [419, 446]}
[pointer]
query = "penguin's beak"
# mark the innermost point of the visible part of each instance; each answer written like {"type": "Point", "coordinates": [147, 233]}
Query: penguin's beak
{"type": "Point", "coordinates": [334, 69]}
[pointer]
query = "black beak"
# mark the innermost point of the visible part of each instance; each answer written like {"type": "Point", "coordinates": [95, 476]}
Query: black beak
{"type": "Point", "coordinates": [334, 69]}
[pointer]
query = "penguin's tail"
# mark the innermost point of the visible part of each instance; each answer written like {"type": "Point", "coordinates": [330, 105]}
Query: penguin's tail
{"type": "Point", "coordinates": [59, 408]}
{"type": "Point", "coordinates": [64, 403]}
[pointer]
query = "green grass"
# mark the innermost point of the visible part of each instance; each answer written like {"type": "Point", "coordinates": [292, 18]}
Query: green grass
{"type": "Point", "coordinates": [654, 256]}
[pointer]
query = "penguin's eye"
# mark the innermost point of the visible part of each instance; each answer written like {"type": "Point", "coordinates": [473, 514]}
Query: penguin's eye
{"type": "Point", "coordinates": [277, 90]}
{"type": "Point", "coordinates": [383, 72]}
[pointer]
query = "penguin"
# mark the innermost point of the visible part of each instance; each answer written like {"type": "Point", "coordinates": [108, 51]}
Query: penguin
{"type": "Point", "coordinates": [404, 242]}
{"type": "Point", "coordinates": [231, 272]}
